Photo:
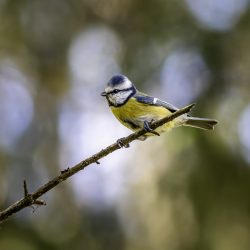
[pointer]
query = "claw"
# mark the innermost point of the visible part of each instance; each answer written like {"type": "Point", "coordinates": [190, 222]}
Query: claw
{"type": "Point", "coordinates": [148, 129]}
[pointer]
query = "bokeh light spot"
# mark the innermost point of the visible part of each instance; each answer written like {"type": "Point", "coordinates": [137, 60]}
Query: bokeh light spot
{"type": "Point", "coordinates": [93, 55]}
{"type": "Point", "coordinates": [16, 104]}
{"type": "Point", "coordinates": [244, 132]}
{"type": "Point", "coordinates": [184, 76]}
{"type": "Point", "coordinates": [218, 15]}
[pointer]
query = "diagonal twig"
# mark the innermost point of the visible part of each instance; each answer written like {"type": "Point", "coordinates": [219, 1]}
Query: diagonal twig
{"type": "Point", "coordinates": [30, 199]}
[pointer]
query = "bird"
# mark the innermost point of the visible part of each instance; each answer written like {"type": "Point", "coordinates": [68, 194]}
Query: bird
{"type": "Point", "coordinates": [137, 110]}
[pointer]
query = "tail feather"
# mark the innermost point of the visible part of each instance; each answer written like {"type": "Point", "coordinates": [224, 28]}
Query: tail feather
{"type": "Point", "coordinates": [202, 123]}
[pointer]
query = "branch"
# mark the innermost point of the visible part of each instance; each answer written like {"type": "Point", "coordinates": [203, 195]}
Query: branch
{"type": "Point", "coordinates": [30, 199]}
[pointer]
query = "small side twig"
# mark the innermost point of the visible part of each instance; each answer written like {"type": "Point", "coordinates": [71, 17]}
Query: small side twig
{"type": "Point", "coordinates": [29, 197]}
{"type": "Point", "coordinates": [26, 193]}
{"type": "Point", "coordinates": [32, 198]}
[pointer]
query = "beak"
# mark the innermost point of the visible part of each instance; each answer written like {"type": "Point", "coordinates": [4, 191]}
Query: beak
{"type": "Point", "coordinates": [103, 94]}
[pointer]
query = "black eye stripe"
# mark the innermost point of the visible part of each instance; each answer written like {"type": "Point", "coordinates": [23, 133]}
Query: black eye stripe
{"type": "Point", "coordinates": [119, 90]}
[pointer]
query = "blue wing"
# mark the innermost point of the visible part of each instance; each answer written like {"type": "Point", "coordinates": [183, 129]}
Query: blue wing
{"type": "Point", "coordinates": [142, 98]}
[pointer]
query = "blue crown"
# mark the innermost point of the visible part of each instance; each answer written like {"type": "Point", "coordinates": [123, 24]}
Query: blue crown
{"type": "Point", "coordinates": [116, 80]}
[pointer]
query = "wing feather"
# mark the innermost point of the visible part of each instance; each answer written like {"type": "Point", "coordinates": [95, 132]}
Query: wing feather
{"type": "Point", "coordinates": [143, 98]}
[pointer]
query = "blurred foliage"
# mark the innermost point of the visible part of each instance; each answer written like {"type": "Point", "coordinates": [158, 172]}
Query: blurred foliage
{"type": "Point", "coordinates": [186, 190]}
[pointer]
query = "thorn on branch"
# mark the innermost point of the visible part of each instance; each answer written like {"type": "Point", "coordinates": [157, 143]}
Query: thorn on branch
{"type": "Point", "coordinates": [65, 170]}
{"type": "Point", "coordinates": [26, 193]}
{"type": "Point", "coordinates": [29, 197]}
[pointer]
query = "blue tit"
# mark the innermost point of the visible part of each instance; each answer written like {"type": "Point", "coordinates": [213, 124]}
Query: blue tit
{"type": "Point", "coordinates": [137, 110]}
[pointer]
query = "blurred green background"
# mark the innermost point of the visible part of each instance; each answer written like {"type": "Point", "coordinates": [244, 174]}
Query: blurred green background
{"type": "Point", "coordinates": [186, 190]}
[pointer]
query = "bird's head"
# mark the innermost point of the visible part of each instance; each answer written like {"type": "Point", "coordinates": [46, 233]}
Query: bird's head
{"type": "Point", "coordinates": [118, 91]}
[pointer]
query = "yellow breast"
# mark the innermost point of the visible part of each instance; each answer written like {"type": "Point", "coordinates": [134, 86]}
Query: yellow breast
{"type": "Point", "coordinates": [135, 113]}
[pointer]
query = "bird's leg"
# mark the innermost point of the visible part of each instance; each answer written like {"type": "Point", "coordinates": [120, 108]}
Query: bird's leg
{"type": "Point", "coordinates": [146, 126]}
{"type": "Point", "coordinates": [121, 143]}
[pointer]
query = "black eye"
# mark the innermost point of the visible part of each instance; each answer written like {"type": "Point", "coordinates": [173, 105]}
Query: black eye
{"type": "Point", "coordinates": [116, 91]}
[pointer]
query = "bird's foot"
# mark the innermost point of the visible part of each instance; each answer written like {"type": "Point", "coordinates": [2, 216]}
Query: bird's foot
{"type": "Point", "coordinates": [122, 144]}
{"type": "Point", "coordinates": [146, 126]}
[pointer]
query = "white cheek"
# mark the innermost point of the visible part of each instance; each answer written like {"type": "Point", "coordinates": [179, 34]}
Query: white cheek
{"type": "Point", "coordinates": [120, 97]}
